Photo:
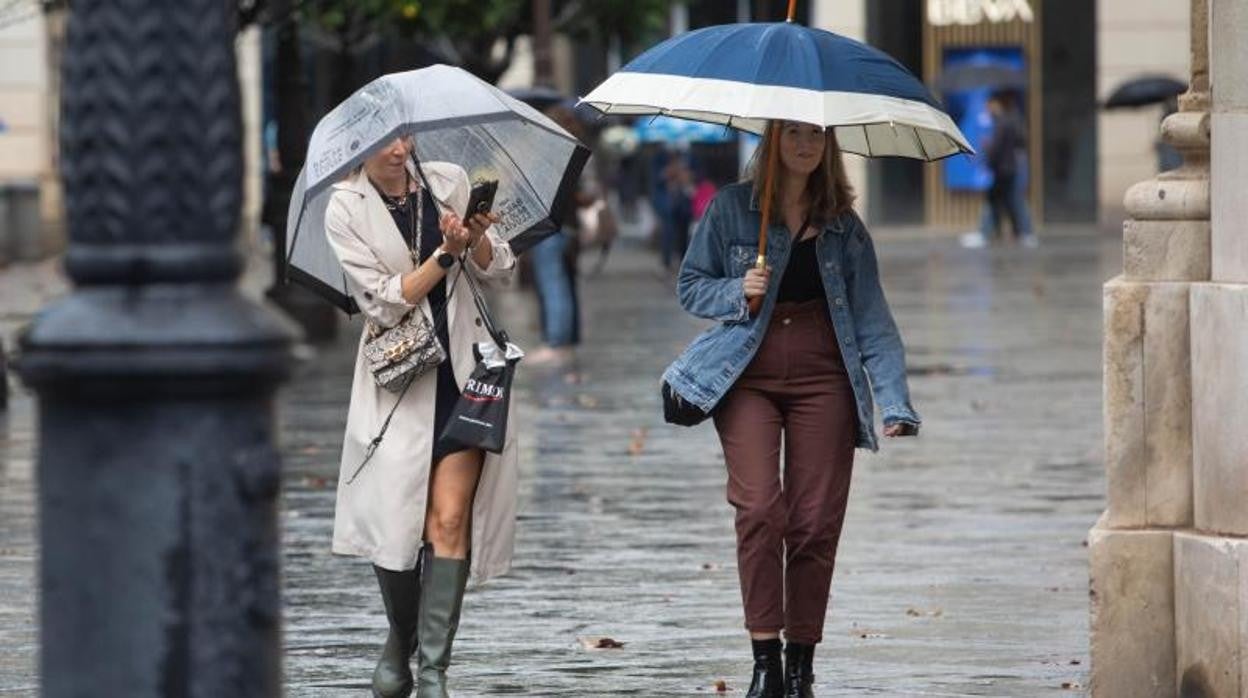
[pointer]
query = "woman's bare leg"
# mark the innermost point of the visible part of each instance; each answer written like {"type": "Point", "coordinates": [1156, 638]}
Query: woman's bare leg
{"type": "Point", "coordinates": [453, 485]}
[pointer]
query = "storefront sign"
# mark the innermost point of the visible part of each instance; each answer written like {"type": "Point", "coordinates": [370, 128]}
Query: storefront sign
{"type": "Point", "coordinates": [942, 13]}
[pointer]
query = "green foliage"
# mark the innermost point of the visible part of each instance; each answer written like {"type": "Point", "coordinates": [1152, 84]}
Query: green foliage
{"type": "Point", "coordinates": [473, 31]}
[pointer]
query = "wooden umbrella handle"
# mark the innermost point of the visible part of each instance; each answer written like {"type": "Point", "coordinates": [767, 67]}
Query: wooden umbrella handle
{"type": "Point", "coordinates": [792, 9]}
{"type": "Point", "coordinates": [769, 175]}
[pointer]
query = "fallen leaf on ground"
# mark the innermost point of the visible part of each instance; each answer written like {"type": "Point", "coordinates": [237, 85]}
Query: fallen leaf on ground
{"type": "Point", "coordinates": [638, 444]}
{"type": "Point", "coordinates": [600, 643]}
{"type": "Point", "coordinates": [1071, 685]}
{"type": "Point", "coordinates": [710, 566]}
{"type": "Point", "coordinates": [721, 686]}
{"type": "Point", "coordinates": [589, 402]}
{"type": "Point", "coordinates": [917, 613]}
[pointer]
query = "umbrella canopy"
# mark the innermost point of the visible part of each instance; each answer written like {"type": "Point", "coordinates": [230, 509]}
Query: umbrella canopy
{"type": "Point", "coordinates": [666, 129]}
{"type": "Point", "coordinates": [744, 75]}
{"type": "Point", "coordinates": [453, 117]}
{"type": "Point", "coordinates": [1142, 91]}
{"type": "Point", "coordinates": [994, 76]}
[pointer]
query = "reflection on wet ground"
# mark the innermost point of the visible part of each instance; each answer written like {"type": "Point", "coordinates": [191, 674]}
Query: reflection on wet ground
{"type": "Point", "coordinates": [962, 570]}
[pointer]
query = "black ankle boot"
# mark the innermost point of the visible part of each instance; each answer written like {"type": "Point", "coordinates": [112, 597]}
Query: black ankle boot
{"type": "Point", "coordinates": [768, 680]}
{"type": "Point", "coordinates": [799, 671]}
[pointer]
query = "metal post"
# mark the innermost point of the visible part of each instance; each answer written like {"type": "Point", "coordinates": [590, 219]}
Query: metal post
{"type": "Point", "coordinates": [158, 473]}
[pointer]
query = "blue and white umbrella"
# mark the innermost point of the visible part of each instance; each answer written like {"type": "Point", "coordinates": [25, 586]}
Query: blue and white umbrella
{"type": "Point", "coordinates": [745, 75]}
{"type": "Point", "coordinates": [751, 75]}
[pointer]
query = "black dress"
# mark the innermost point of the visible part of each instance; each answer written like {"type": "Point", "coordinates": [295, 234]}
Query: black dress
{"type": "Point", "coordinates": [430, 240]}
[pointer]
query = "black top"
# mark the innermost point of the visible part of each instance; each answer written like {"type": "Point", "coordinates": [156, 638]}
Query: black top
{"type": "Point", "coordinates": [430, 240]}
{"type": "Point", "coordinates": [801, 280]}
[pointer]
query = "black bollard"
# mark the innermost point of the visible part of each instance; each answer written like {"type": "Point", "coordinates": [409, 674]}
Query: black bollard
{"type": "Point", "coordinates": [158, 473]}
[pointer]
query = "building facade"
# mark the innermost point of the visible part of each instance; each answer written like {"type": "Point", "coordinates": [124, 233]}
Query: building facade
{"type": "Point", "coordinates": [30, 219]}
{"type": "Point", "coordinates": [1072, 54]}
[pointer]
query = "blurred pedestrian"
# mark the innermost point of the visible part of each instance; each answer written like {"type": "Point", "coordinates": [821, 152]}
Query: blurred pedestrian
{"type": "Point", "coordinates": [555, 265]}
{"type": "Point", "coordinates": [796, 374]}
{"type": "Point", "coordinates": [1006, 156]}
{"type": "Point", "coordinates": [426, 513]}
{"type": "Point", "coordinates": [704, 191]}
{"type": "Point", "coordinates": [680, 190]}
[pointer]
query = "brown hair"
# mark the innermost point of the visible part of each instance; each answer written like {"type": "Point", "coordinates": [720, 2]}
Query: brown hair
{"type": "Point", "coordinates": [828, 190]}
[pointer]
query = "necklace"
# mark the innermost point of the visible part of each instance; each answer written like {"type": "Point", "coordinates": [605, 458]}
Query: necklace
{"type": "Point", "coordinates": [396, 203]}
{"type": "Point", "coordinates": [399, 204]}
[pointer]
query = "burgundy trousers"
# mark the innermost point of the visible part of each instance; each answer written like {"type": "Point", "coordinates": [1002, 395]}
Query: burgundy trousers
{"type": "Point", "coordinates": [789, 520]}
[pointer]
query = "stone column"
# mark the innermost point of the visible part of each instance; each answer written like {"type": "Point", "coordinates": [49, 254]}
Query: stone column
{"type": "Point", "coordinates": [158, 469]}
{"type": "Point", "coordinates": [1148, 406]}
{"type": "Point", "coordinates": [1211, 562]}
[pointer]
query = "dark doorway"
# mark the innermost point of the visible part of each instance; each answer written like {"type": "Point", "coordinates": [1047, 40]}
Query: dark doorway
{"type": "Point", "coordinates": [1068, 86]}
{"type": "Point", "coordinates": [896, 184]}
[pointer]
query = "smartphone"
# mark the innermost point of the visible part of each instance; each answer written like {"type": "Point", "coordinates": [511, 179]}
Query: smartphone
{"type": "Point", "coordinates": [481, 200]}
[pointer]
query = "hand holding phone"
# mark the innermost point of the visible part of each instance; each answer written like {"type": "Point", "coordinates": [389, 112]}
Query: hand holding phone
{"type": "Point", "coordinates": [481, 199]}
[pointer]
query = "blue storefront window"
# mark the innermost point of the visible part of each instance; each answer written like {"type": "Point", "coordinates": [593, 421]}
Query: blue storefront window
{"type": "Point", "coordinates": [969, 109]}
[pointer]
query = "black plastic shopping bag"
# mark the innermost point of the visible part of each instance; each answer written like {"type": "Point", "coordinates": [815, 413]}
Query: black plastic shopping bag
{"type": "Point", "coordinates": [479, 419]}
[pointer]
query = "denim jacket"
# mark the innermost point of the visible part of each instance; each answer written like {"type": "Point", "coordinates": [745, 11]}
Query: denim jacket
{"type": "Point", "coordinates": [710, 286]}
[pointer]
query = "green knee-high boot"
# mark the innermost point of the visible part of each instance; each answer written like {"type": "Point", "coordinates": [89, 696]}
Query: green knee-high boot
{"type": "Point", "coordinates": [442, 596]}
{"type": "Point", "coordinates": [400, 592]}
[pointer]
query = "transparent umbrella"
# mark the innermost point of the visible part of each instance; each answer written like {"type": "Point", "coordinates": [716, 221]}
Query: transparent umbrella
{"type": "Point", "coordinates": [453, 117]}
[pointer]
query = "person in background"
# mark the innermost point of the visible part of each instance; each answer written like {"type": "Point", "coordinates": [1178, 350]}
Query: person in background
{"type": "Point", "coordinates": [555, 265]}
{"type": "Point", "coordinates": [704, 191]}
{"type": "Point", "coordinates": [680, 188]}
{"type": "Point", "coordinates": [1006, 155]}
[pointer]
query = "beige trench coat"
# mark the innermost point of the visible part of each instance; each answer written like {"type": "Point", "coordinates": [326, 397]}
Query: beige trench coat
{"type": "Point", "coordinates": [381, 514]}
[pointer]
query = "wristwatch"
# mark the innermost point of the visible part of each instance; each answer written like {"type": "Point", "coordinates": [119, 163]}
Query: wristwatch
{"type": "Point", "coordinates": [445, 259]}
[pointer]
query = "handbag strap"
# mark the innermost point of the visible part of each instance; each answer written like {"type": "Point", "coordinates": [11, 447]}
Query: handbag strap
{"type": "Point", "coordinates": [499, 336]}
{"type": "Point", "coordinates": [438, 318]}
{"type": "Point", "coordinates": [491, 325]}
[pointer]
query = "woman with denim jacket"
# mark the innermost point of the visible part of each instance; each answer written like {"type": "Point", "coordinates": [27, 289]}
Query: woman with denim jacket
{"type": "Point", "coordinates": [799, 368]}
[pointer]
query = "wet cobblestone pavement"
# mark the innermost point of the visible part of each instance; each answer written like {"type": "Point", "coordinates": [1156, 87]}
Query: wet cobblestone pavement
{"type": "Point", "coordinates": [962, 569]}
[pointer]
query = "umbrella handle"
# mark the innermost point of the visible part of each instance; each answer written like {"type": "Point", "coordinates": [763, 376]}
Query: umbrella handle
{"type": "Point", "coordinates": [792, 10]}
{"type": "Point", "coordinates": [769, 177]}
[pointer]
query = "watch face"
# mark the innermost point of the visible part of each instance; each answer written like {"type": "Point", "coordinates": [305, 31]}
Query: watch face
{"type": "Point", "coordinates": [445, 259]}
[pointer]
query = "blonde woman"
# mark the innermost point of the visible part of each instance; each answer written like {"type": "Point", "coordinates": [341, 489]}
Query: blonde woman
{"type": "Point", "coordinates": [427, 515]}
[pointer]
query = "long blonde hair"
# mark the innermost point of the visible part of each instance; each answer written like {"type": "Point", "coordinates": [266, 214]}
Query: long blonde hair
{"type": "Point", "coordinates": [828, 190]}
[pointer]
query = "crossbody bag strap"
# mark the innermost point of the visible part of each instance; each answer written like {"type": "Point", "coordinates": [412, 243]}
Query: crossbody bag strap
{"type": "Point", "coordinates": [498, 334]}
{"type": "Point", "coordinates": [438, 319]}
